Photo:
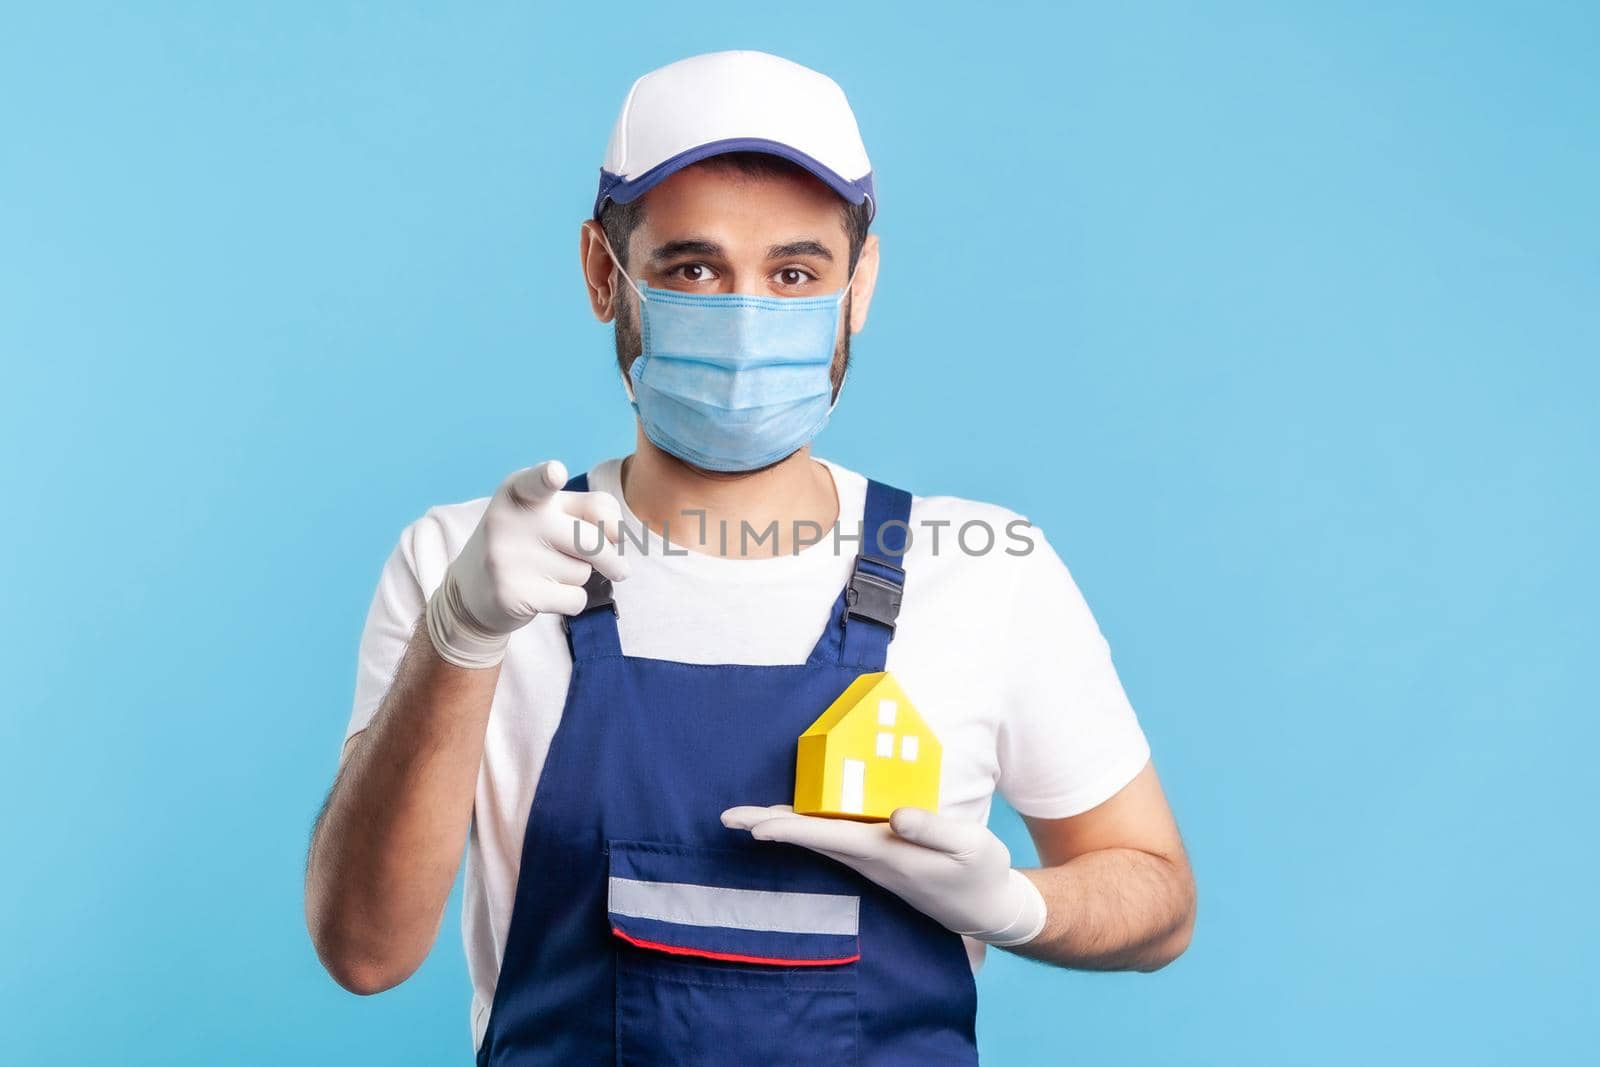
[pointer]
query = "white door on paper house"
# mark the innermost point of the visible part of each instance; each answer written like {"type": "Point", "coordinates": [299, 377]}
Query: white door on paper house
{"type": "Point", "coordinates": [853, 792]}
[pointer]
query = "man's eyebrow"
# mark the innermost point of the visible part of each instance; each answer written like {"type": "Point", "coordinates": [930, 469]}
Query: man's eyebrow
{"type": "Point", "coordinates": [700, 246]}
{"type": "Point", "coordinates": [807, 247]}
{"type": "Point", "coordinates": [690, 246]}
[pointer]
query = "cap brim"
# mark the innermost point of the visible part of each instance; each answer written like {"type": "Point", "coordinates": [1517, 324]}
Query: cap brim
{"type": "Point", "coordinates": [622, 190]}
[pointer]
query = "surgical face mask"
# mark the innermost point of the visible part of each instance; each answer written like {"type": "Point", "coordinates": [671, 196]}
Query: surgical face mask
{"type": "Point", "coordinates": [729, 382]}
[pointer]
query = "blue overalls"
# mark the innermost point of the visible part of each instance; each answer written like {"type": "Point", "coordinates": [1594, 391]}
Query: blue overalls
{"type": "Point", "coordinates": [645, 932]}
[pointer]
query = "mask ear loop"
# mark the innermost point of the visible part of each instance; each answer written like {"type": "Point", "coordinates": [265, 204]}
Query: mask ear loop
{"type": "Point", "coordinates": [627, 385]}
{"type": "Point", "coordinates": [850, 282]}
{"type": "Point", "coordinates": [635, 286]}
{"type": "Point", "coordinates": [844, 294]}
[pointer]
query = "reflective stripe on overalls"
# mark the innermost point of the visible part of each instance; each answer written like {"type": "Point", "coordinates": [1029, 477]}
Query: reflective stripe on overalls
{"type": "Point", "coordinates": [646, 932]}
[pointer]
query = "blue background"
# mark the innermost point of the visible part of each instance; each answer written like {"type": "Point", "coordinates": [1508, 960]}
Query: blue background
{"type": "Point", "coordinates": [1280, 320]}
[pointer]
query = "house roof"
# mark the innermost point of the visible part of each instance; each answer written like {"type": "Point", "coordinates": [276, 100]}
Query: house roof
{"type": "Point", "coordinates": [846, 702]}
{"type": "Point", "coordinates": [855, 696]}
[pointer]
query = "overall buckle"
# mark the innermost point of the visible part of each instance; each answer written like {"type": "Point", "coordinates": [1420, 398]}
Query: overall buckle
{"type": "Point", "coordinates": [598, 589]}
{"type": "Point", "coordinates": [870, 596]}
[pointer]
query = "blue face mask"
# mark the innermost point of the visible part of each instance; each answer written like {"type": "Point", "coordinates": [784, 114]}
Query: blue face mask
{"type": "Point", "coordinates": [729, 382]}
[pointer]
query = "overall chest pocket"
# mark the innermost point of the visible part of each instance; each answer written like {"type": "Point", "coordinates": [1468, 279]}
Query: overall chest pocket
{"type": "Point", "coordinates": [732, 956]}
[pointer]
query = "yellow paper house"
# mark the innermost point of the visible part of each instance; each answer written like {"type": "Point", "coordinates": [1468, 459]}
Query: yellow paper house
{"type": "Point", "coordinates": [868, 754]}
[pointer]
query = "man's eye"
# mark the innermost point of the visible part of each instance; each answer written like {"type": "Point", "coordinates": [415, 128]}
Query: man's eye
{"type": "Point", "coordinates": [694, 272]}
{"type": "Point", "coordinates": [793, 276]}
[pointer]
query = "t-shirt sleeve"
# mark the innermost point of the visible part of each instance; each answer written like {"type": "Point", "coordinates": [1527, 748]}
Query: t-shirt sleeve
{"type": "Point", "coordinates": [1069, 739]}
{"type": "Point", "coordinates": [397, 604]}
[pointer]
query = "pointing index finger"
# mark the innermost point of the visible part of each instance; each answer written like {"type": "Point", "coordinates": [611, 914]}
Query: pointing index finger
{"type": "Point", "coordinates": [531, 487]}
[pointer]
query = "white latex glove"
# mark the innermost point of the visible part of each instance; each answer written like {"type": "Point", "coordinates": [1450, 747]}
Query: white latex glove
{"type": "Point", "coordinates": [532, 551]}
{"type": "Point", "coordinates": [952, 870]}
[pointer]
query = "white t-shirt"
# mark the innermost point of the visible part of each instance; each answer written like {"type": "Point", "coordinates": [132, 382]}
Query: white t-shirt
{"type": "Point", "coordinates": [997, 650]}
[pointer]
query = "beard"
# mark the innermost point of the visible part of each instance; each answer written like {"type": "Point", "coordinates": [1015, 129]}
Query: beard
{"type": "Point", "coordinates": [630, 344]}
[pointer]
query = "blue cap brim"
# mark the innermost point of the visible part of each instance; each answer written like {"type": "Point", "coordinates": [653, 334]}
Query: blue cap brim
{"type": "Point", "coordinates": [615, 188]}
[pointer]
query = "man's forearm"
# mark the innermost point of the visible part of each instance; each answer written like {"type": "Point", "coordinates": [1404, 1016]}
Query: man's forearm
{"type": "Point", "coordinates": [387, 845]}
{"type": "Point", "coordinates": [1114, 909]}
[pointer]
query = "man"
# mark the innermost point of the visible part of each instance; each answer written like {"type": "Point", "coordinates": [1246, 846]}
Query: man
{"type": "Point", "coordinates": [596, 685]}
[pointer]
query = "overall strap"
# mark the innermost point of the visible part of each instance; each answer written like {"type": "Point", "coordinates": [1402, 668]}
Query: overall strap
{"type": "Point", "coordinates": [863, 618]}
{"type": "Point", "coordinates": [593, 631]}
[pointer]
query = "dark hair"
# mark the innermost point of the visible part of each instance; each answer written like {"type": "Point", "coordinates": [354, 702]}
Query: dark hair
{"type": "Point", "coordinates": [620, 220]}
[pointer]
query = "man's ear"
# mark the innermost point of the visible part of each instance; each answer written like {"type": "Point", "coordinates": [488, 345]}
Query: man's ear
{"type": "Point", "coordinates": [600, 275]}
{"type": "Point", "coordinates": [866, 281]}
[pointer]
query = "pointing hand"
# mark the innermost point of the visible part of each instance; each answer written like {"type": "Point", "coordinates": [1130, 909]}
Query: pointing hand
{"type": "Point", "coordinates": [532, 551]}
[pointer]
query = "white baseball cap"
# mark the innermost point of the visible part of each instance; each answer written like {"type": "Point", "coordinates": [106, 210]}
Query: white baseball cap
{"type": "Point", "coordinates": [738, 101]}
